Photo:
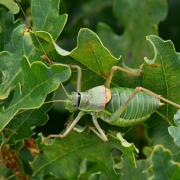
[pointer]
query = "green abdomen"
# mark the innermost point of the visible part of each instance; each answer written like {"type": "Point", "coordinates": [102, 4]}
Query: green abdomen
{"type": "Point", "coordinates": [139, 108]}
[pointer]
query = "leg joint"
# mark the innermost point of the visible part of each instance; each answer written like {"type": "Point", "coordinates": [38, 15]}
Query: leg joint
{"type": "Point", "coordinates": [139, 89]}
{"type": "Point", "coordinates": [115, 68]}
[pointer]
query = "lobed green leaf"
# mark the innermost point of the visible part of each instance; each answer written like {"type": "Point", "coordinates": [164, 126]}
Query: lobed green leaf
{"type": "Point", "coordinates": [46, 17]}
{"type": "Point", "coordinates": [69, 157]}
{"type": "Point", "coordinates": [38, 81]}
{"type": "Point", "coordinates": [89, 51]}
{"type": "Point", "coordinates": [24, 123]}
{"type": "Point", "coordinates": [163, 72]}
{"type": "Point", "coordinates": [164, 167]}
{"type": "Point", "coordinates": [175, 131]}
{"type": "Point", "coordinates": [11, 5]}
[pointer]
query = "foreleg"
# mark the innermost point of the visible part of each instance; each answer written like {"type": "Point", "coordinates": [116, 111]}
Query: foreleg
{"type": "Point", "coordinates": [69, 128]}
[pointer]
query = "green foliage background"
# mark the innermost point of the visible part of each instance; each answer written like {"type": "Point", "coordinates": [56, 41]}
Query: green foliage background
{"type": "Point", "coordinates": [95, 34]}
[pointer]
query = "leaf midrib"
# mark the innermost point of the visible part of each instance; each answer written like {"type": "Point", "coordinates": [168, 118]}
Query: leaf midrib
{"type": "Point", "coordinates": [166, 83]}
{"type": "Point", "coordinates": [35, 87]}
{"type": "Point", "coordinates": [64, 155]}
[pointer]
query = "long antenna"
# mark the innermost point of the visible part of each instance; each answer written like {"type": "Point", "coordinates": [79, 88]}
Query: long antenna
{"type": "Point", "coordinates": [67, 94]}
{"type": "Point", "coordinates": [24, 14]}
{"type": "Point", "coordinates": [47, 102]}
{"type": "Point", "coordinates": [54, 101]}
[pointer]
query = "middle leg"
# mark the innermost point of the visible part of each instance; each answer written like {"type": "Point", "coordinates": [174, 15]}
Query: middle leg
{"type": "Point", "coordinates": [100, 133]}
{"type": "Point", "coordinates": [130, 71]}
{"type": "Point", "coordinates": [69, 128]}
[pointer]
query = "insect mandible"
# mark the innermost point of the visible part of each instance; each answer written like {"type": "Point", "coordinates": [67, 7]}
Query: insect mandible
{"type": "Point", "coordinates": [116, 106]}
